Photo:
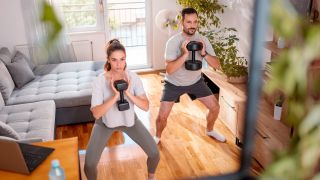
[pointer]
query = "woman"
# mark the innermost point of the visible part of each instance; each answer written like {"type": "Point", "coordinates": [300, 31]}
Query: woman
{"type": "Point", "coordinates": [109, 118]}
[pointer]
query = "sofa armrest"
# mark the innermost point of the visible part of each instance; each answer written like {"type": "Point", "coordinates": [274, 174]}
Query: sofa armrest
{"type": "Point", "coordinates": [27, 141]}
{"type": "Point", "coordinates": [7, 138]}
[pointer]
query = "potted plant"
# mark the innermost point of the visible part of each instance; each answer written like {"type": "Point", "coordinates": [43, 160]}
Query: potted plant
{"type": "Point", "coordinates": [224, 44]}
{"type": "Point", "coordinates": [278, 108]}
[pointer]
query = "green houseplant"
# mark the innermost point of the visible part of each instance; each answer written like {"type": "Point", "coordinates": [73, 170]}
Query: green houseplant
{"type": "Point", "coordinates": [223, 41]}
{"type": "Point", "coordinates": [224, 44]}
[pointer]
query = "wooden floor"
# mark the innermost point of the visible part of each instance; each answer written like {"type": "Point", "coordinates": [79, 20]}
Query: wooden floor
{"type": "Point", "coordinates": [185, 150]}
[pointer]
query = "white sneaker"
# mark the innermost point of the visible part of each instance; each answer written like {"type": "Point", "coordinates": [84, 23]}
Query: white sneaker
{"type": "Point", "coordinates": [154, 178]}
{"type": "Point", "coordinates": [156, 139]}
{"type": "Point", "coordinates": [216, 135]}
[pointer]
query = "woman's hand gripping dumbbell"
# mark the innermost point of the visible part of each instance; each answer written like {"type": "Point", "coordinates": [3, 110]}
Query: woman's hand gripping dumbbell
{"type": "Point", "coordinates": [121, 85]}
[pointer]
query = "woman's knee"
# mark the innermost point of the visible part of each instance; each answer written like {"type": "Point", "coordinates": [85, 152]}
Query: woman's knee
{"type": "Point", "coordinates": [90, 165]}
{"type": "Point", "coordinates": [154, 154]}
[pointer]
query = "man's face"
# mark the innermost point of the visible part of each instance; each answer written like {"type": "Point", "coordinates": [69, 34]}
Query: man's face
{"type": "Point", "coordinates": [190, 24]}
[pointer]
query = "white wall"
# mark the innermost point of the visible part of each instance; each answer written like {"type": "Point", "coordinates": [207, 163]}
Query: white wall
{"type": "Point", "coordinates": [240, 16]}
{"type": "Point", "coordinates": [98, 42]}
{"type": "Point", "coordinates": [12, 30]}
{"type": "Point", "coordinates": [159, 38]}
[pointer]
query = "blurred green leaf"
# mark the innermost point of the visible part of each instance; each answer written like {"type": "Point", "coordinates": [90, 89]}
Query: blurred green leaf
{"type": "Point", "coordinates": [49, 18]}
{"type": "Point", "coordinates": [285, 22]}
{"type": "Point", "coordinates": [290, 75]}
{"type": "Point", "coordinates": [312, 120]}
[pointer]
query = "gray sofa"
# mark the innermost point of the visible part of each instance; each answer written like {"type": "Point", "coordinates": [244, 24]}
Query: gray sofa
{"type": "Point", "coordinates": [33, 93]}
{"type": "Point", "coordinates": [68, 84]}
{"type": "Point", "coordinates": [31, 121]}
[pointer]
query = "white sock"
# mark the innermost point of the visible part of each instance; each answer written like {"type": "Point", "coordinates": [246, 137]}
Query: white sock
{"type": "Point", "coordinates": [216, 135]}
{"type": "Point", "coordinates": [156, 139]}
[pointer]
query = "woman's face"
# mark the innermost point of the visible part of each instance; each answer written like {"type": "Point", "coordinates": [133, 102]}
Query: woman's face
{"type": "Point", "coordinates": [117, 60]}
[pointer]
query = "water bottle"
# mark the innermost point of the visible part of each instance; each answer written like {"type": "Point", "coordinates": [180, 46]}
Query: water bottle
{"type": "Point", "coordinates": [56, 172]}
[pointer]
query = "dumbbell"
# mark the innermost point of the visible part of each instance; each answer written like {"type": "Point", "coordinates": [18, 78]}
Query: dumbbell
{"type": "Point", "coordinates": [193, 64]}
{"type": "Point", "coordinates": [121, 85]}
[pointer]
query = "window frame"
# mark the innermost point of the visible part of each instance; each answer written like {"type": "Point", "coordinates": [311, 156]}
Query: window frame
{"type": "Point", "coordinates": [100, 19]}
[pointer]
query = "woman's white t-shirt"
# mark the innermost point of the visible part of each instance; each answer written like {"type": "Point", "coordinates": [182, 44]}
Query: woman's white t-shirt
{"type": "Point", "coordinates": [101, 92]}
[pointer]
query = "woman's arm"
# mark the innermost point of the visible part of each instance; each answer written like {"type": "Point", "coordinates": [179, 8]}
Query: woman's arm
{"type": "Point", "coordinates": [99, 110]}
{"type": "Point", "coordinates": [141, 101]}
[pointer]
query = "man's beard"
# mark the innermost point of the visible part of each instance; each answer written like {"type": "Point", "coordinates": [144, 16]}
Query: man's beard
{"type": "Point", "coordinates": [188, 32]}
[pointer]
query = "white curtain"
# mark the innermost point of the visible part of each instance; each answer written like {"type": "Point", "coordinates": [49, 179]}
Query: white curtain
{"type": "Point", "coordinates": [37, 32]}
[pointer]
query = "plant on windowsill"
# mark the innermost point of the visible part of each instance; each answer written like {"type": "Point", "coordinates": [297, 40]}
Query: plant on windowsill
{"type": "Point", "coordinates": [224, 44]}
{"type": "Point", "coordinates": [223, 41]}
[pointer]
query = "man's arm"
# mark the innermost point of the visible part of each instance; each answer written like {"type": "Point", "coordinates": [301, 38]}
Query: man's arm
{"type": "Point", "coordinates": [213, 61]}
{"type": "Point", "coordinates": [173, 65]}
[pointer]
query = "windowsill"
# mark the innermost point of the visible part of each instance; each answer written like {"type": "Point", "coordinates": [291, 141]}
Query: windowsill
{"type": "Point", "coordinates": [85, 33]}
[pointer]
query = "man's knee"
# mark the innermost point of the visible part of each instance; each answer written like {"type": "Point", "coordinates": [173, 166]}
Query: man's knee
{"type": "Point", "coordinates": [215, 107]}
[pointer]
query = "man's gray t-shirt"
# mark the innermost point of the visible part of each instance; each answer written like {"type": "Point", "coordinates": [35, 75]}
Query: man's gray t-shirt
{"type": "Point", "coordinates": [101, 92]}
{"type": "Point", "coordinates": [183, 77]}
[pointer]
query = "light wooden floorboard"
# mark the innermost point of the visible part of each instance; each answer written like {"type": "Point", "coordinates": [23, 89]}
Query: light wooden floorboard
{"type": "Point", "coordinates": [185, 150]}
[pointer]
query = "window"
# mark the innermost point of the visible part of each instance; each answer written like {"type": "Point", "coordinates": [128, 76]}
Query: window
{"type": "Point", "coordinates": [81, 15]}
{"type": "Point", "coordinates": [127, 21]}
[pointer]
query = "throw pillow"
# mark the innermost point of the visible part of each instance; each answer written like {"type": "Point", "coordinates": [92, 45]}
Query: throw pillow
{"type": "Point", "coordinates": [5, 55]}
{"type": "Point", "coordinates": [20, 55]}
{"type": "Point", "coordinates": [7, 131]}
{"type": "Point", "coordinates": [6, 82]}
{"type": "Point", "coordinates": [20, 71]}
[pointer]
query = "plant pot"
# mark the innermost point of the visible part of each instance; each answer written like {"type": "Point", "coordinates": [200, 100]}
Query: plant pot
{"type": "Point", "coordinates": [237, 80]}
{"type": "Point", "coordinates": [277, 112]}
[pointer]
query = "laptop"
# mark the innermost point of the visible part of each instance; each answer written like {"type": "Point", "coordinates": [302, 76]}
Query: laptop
{"type": "Point", "coordinates": [20, 157]}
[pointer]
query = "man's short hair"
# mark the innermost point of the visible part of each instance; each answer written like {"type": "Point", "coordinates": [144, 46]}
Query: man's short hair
{"type": "Point", "coordinates": [188, 10]}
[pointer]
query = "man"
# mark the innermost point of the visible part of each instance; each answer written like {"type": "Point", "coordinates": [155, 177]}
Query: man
{"type": "Point", "coordinates": [178, 80]}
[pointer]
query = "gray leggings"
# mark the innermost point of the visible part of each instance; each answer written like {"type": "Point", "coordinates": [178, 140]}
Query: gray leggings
{"type": "Point", "coordinates": [100, 135]}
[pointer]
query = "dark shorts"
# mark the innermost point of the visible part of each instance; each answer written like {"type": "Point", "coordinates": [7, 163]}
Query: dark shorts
{"type": "Point", "coordinates": [197, 90]}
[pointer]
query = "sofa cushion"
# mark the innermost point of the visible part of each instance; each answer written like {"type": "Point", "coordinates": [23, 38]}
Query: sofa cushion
{"type": "Point", "coordinates": [20, 55]}
{"type": "Point", "coordinates": [7, 131]}
{"type": "Point", "coordinates": [68, 84]}
{"type": "Point", "coordinates": [20, 71]}
{"type": "Point", "coordinates": [5, 55]}
{"type": "Point", "coordinates": [6, 82]}
{"type": "Point", "coordinates": [31, 120]}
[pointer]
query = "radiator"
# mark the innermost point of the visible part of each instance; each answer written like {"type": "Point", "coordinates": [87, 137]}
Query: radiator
{"type": "Point", "coordinates": [83, 50]}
